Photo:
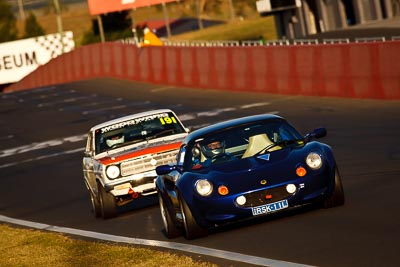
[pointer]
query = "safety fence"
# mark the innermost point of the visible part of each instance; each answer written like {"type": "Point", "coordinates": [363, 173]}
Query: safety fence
{"type": "Point", "coordinates": [354, 70]}
{"type": "Point", "coordinates": [204, 43]}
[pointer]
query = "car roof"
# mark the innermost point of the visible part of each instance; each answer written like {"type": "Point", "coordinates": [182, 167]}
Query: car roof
{"type": "Point", "coordinates": [227, 124]}
{"type": "Point", "coordinates": [129, 117]}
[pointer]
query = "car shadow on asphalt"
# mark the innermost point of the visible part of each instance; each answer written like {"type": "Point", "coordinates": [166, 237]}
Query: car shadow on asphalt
{"type": "Point", "coordinates": [264, 219]}
{"type": "Point", "coordinates": [138, 204]}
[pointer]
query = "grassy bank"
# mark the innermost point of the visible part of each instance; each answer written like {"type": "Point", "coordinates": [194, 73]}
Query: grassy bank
{"type": "Point", "coordinates": [25, 247]}
{"type": "Point", "coordinates": [76, 18]}
{"type": "Point", "coordinates": [249, 29]}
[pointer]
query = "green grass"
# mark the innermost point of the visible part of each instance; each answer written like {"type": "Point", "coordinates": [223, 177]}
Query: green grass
{"type": "Point", "coordinates": [248, 29]}
{"type": "Point", "coordinates": [25, 247]}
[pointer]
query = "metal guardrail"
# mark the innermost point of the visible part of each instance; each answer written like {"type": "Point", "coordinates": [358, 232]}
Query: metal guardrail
{"type": "Point", "coordinates": [336, 41]}
{"type": "Point", "coordinates": [200, 43]}
{"type": "Point", "coordinates": [283, 42]}
{"type": "Point", "coordinates": [277, 42]}
{"type": "Point", "coordinates": [128, 41]}
{"type": "Point", "coordinates": [305, 41]}
{"type": "Point", "coordinates": [265, 43]}
{"type": "Point", "coordinates": [370, 39]}
{"type": "Point", "coordinates": [252, 43]}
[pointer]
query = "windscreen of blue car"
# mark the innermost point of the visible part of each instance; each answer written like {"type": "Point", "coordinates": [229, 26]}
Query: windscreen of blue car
{"type": "Point", "coordinates": [242, 141]}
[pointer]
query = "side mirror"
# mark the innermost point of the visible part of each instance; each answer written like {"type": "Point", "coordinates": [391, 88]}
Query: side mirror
{"type": "Point", "coordinates": [87, 153]}
{"type": "Point", "coordinates": [165, 169]}
{"type": "Point", "coordinates": [316, 133]}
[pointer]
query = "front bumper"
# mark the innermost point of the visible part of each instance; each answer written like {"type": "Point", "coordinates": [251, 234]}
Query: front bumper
{"type": "Point", "coordinates": [142, 183]}
{"type": "Point", "coordinates": [219, 210]}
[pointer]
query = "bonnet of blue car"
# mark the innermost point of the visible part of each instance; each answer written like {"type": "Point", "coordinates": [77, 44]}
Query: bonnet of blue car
{"type": "Point", "coordinates": [246, 174]}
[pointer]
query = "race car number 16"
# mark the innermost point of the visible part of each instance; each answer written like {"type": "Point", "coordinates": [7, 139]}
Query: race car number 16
{"type": "Point", "coordinates": [167, 120]}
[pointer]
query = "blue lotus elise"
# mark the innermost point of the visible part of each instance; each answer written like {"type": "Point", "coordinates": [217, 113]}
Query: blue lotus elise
{"type": "Point", "coordinates": [245, 168]}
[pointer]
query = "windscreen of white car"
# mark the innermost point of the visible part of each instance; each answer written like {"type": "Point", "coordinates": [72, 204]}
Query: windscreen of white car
{"type": "Point", "coordinates": [137, 130]}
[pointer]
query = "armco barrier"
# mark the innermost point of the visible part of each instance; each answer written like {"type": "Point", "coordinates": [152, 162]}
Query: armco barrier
{"type": "Point", "coordinates": [355, 70]}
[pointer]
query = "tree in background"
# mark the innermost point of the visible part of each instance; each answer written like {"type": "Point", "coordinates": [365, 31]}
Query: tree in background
{"type": "Point", "coordinates": [8, 23]}
{"type": "Point", "coordinates": [32, 27]}
{"type": "Point", "coordinates": [116, 25]}
{"type": "Point", "coordinates": [221, 9]}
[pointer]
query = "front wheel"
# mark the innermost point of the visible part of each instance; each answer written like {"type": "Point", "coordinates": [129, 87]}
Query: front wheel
{"type": "Point", "coordinates": [96, 208]}
{"type": "Point", "coordinates": [171, 231]}
{"type": "Point", "coordinates": [192, 229]}
{"type": "Point", "coordinates": [337, 197]}
{"type": "Point", "coordinates": [108, 204]}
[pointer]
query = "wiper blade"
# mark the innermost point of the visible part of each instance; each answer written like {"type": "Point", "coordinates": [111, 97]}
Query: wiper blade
{"type": "Point", "coordinates": [161, 134]}
{"type": "Point", "coordinates": [281, 143]}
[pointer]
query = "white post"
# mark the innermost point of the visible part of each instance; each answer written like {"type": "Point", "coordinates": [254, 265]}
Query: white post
{"type": "Point", "coordinates": [59, 23]}
{"type": "Point", "coordinates": [21, 10]}
{"type": "Point", "coordinates": [164, 6]}
{"type": "Point", "coordinates": [101, 30]}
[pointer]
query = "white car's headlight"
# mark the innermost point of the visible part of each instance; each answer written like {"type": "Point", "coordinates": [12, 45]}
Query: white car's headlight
{"type": "Point", "coordinates": [204, 187]}
{"type": "Point", "coordinates": [112, 172]}
{"type": "Point", "coordinates": [314, 161]}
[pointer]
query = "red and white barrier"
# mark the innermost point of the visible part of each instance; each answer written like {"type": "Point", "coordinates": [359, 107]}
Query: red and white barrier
{"type": "Point", "coordinates": [355, 70]}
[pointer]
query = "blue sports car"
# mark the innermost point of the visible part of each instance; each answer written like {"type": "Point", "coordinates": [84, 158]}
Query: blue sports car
{"type": "Point", "coordinates": [245, 168]}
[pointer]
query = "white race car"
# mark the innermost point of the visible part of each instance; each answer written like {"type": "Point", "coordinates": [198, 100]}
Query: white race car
{"type": "Point", "coordinates": [121, 156]}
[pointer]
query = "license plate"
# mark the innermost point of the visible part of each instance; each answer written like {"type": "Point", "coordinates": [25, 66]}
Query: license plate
{"type": "Point", "coordinates": [268, 208]}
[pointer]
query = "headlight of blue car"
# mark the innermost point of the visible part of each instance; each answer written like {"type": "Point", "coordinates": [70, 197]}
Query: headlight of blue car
{"type": "Point", "coordinates": [314, 161]}
{"type": "Point", "coordinates": [204, 187]}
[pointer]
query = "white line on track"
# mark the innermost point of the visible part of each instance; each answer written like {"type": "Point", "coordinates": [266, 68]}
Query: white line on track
{"type": "Point", "coordinates": [36, 146]}
{"type": "Point", "coordinates": [93, 111]}
{"type": "Point", "coordinates": [227, 255]}
{"type": "Point", "coordinates": [66, 101]}
{"type": "Point", "coordinates": [104, 109]}
{"type": "Point", "coordinates": [214, 112]}
{"type": "Point", "coordinates": [42, 157]}
{"type": "Point", "coordinates": [255, 105]}
{"type": "Point", "coordinates": [77, 138]}
{"type": "Point", "coordinates": [159, 89]}
{"type": "Point", "coordinates": [10, 136]}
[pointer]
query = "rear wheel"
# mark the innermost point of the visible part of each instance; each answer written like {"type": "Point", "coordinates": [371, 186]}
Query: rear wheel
{"type": "Point", "coordinates": [108, 204]}
{"type": "Point", "coordinates": [192, 229]}
{"type": "Point", "coordinates": [171, 231]}
{"type": "Point", "coordinates": [337, 197]}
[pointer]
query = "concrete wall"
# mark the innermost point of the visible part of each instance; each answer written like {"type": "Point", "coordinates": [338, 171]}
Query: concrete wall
{"type": "Point", "coordinates": [355, 70]}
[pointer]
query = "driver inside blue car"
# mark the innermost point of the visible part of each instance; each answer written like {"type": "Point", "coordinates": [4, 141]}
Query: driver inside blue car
{"type": "Point", "coordinates": [212, 150]}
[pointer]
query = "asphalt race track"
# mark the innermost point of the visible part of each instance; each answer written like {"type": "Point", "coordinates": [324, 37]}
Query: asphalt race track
{"type": "Point", "coordinates": [43, 135]}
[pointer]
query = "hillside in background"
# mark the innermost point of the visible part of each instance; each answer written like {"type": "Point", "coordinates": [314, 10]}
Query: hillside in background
{"type": "Point", "coordinates": [246, 25]}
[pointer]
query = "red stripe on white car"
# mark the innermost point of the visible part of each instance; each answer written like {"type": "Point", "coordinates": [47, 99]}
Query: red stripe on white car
{"type": "Point", "coordinates": [150, 150]}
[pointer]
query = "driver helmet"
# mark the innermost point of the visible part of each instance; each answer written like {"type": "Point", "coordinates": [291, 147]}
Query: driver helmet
{"type": "Point", "coordinates": [213, 148]}
{"type": "Point", "coordinates": [115, 139]}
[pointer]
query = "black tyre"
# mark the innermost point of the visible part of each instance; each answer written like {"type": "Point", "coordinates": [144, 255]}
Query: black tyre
{"type": "Point", "coordinates": [108, 204]}
{"type": "Point", "coordinates": [96, 209]}
{"type": "Point", "coordinates": [171, 230]}
{"type": "Point", "coordinates": [192, 229]}
{"type": "Point", "coordinates": [337, 197]}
